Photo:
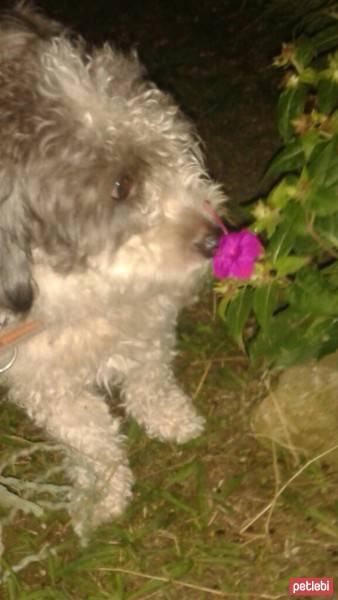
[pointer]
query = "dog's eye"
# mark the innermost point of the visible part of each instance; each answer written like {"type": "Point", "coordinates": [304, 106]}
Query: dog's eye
{"type": "Point", "coordinates": [122, 188]}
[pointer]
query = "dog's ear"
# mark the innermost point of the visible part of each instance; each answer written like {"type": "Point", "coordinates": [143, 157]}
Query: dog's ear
{"type": "Point", "coordinates": [16, 285]}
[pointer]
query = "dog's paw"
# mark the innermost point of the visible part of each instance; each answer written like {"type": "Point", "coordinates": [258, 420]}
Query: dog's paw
{"type": "Point", "coordinates": [103, 501]}
{"type": "Point", "coordinates": [175, 420]}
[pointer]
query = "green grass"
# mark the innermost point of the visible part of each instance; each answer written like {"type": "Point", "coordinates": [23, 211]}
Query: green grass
{"type": "Point", "coordinates": [181, 534]}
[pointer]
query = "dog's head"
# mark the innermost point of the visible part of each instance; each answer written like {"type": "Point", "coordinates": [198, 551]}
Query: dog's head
{"type": "Point", "coordinates": [99, 163]}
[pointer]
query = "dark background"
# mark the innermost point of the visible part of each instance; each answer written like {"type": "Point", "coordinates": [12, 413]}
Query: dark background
{"type": "Point", "coordinates": [215, 58]}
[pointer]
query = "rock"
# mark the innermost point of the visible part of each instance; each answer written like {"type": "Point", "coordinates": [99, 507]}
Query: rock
{"type": "Point", "coordinates": [301, 412]}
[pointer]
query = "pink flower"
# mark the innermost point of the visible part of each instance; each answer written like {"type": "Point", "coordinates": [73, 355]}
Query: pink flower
{"type": "Point", "coordinates": [236, 255]}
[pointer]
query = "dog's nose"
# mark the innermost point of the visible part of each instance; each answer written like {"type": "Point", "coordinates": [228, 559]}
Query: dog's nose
{"type": "Point", "coordinates": [209, 243]}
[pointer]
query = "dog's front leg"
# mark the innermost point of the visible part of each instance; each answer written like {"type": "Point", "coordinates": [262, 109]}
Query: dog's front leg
{"type": "Point", "coordinates": [95, 459]}
{"type": "Point", "coordinates": [154, 400]}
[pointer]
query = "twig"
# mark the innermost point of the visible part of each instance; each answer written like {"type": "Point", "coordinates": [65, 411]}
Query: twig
{"type": "Point", "coordinates": [221, 359]}
{"type": "Point", "coordinates": [202, 380]}
{"type": "Point", "coordinates": [284, 424]}
{"type": "Point", "coordinates": [277, 485]}
{"type": "Point", "coordinates": [187, 585]}
{"type": "Point", "coordinates": [283, 488]}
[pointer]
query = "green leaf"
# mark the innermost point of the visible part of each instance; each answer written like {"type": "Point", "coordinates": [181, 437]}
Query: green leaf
{"type": "Point", "coordinates": [178, 502]}
{"type": "Point", "coordinates": [305, 52]}
{"type": "Point", "coordinates": [180, 568]}
{"type": "Point", "coordinates": [327, 228]}
{"type": "Point", "coordinates": [311, 294]}
{"type": "Point", "coordinates": [294, 338]}
{"type": "Point", "coordinates": [331, 274]}
{"type": "Point", "coordinates": [264, 303]}
{"type": "Point", "coordinates": [305, 245]}
{"type": "Point", "coordinates": [267, 218]}
{"type": "Point", "coordinates": [85, 561]}
{"type": "Point", "coordinates": [228, 487]}
{"type": "Point", "coordinates": [283, 192]}
{"type": "Point", "coordinates": [192, 468]}
{"type": "Point", "coordinates": [323, 164]}
{"type": "Point", "coordinates": [323, 201]}
{"type": "Point", "coordinates": [290, 106]}
{"type": "Point", "coordinates": [223, 305]}
{"type": "Point", "coordinates": [282, 241]}
{"type": "Point", "coordinates": [329, 338]}
{"type": "Point", "coordinates": [289, 159]}
{"type": "Point", "coordinates": [326, 39]}
{"type": "Point", "coordinates": [309, 76]}
{"type": "Point", "coordinates": [310, 140]}
{"type": "Point", "coordinates": [327, 95]}
{"type": "Point", "coordinates": [148, 588]}
{"type": "Point", "coordinates": [334, 121]}
{"type": "Point", "coordinates": [287, 265]}
{"type": "Point", "coordinates": [238, 312]}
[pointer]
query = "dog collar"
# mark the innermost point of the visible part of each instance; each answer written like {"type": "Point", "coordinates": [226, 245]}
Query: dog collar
{"type": "Point", "coordinates": [10, 363]}
{"type": "Point", "coordinates": [13, 336]}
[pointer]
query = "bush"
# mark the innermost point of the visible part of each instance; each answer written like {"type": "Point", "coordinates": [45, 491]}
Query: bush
{"type": "Point", "coordinates": [291, 302]}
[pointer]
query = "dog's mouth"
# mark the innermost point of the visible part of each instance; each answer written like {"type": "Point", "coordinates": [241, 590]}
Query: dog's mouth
{"type": "Point", "coordinates": [209, 241]}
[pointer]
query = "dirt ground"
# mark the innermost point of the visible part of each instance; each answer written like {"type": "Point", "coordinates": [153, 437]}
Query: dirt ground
{"type": "Point", "coordinates": [215, 57]}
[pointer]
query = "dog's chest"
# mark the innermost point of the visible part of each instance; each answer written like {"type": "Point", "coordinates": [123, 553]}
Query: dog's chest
{"type": "Point", "coordinates": [87, 318]}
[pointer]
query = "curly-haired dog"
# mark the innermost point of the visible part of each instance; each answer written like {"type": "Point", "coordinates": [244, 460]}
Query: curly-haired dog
{"type": "Point", "coordinates": [103, 237]}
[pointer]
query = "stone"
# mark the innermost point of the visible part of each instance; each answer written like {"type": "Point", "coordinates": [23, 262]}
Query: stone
{"type": "Point", "coordinates": [301, 412]}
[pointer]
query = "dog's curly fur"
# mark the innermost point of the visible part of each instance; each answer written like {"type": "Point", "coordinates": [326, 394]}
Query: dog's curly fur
{"type": "Point", "coordinates": [103, 236]}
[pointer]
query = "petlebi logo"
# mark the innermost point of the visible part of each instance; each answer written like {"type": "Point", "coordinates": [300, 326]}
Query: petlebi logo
{"type": "Point", "coordinates": [311, 586]}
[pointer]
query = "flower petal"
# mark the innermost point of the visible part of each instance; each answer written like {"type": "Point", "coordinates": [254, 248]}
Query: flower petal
{"type": "Point", "coordinates": [236, 255]}
{"type": "Point", "coordinates": [251, 245]}
{"type": "Point", "coordinates": [242, 268]}
{"type": "Point", "coordinates": [221, 266]}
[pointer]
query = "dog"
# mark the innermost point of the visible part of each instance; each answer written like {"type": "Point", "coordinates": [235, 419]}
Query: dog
{"type": "Point", "coordinates": [104, 237]}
